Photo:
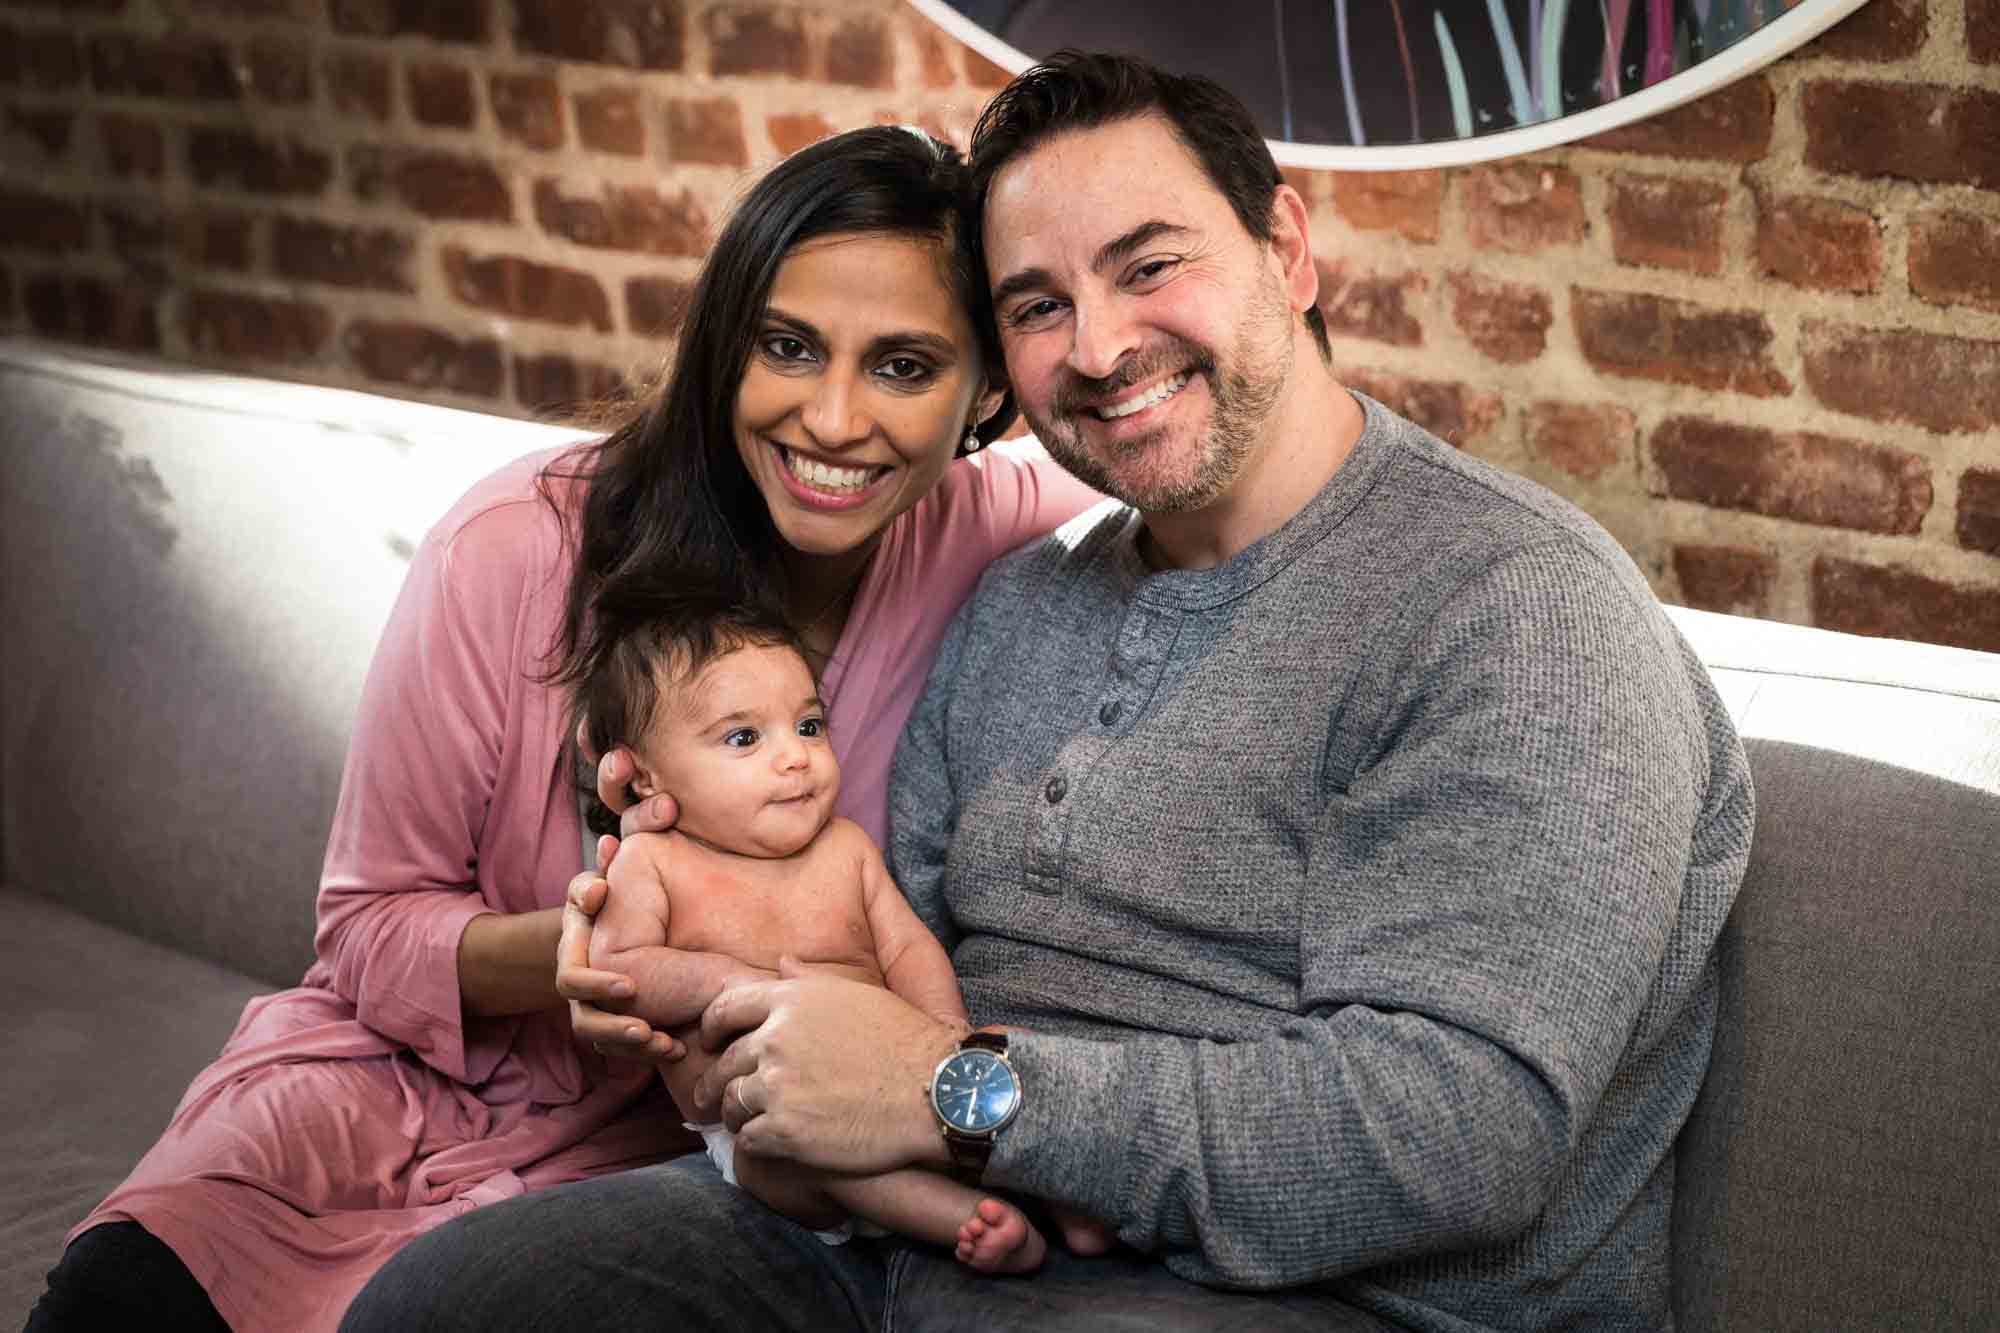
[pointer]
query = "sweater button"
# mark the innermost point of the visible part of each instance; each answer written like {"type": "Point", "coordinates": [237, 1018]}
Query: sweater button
{"type": "Point", "coordinates": [1109, 713]}
{"type": "Point", "coordinates": [1057, 788]}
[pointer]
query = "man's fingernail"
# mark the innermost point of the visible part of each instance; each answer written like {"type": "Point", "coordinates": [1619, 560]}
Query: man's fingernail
{"type": "Point", "coordinates": [622, 989]}
{"type": "Point", "coordinates": [635, 1032]}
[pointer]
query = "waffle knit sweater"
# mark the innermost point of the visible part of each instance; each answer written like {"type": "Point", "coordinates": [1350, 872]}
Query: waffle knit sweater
{"type": "Point", "coordinates": [1361, 894]}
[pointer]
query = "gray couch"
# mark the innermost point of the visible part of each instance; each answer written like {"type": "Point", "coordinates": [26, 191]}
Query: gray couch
{"type": "Point", "coordinates": [196, 567]}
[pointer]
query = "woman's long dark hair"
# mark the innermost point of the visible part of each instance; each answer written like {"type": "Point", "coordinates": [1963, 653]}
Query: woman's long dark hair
{"type": "Point", "coordinates": [668, 508]}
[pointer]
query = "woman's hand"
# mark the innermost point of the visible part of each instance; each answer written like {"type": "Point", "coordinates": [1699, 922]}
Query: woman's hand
{"type": "Point", "coordinates": [599, 1002]}
{"type": "Point", "coordinates": [825, 1072]}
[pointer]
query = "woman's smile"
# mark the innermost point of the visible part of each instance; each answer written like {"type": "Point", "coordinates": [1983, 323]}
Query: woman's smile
{"type": "Point", "coordinates": [828, 485]}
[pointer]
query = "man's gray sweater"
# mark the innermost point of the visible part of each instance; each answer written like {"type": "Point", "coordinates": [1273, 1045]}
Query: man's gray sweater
{"type": "Point", "coordinates": [1361, 894]}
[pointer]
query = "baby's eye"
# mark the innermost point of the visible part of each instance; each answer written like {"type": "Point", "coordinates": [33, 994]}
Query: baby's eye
{"type": "Point", "coordinates": [812, 726]}
{"type": "Point", "coordinates": [741, 738]}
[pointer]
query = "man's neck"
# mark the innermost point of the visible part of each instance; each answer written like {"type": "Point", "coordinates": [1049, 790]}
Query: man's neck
{"type": "Point", "coordinates": [1305, 442]}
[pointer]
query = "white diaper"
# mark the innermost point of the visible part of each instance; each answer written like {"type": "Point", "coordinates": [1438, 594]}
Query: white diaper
{"type": "Point", "coordinates": [721, 1143]}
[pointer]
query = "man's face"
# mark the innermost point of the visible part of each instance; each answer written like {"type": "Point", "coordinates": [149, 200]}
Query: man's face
{"type": "Point", "coordinates": [1147, 333]}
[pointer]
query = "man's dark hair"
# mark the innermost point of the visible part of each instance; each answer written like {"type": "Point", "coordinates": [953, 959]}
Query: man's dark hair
{"type": "Point", "coordinates": [1076, 90]}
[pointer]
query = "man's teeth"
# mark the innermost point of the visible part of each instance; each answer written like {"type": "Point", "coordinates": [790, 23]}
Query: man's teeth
{"type": "Point", "coordinates": [821, 476]}
{"type": "Point", "coordinates": [1159, 393]}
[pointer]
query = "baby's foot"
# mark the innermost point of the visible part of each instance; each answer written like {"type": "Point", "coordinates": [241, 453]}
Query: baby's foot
{"type": "Point", "coordinates": [999, 1238]}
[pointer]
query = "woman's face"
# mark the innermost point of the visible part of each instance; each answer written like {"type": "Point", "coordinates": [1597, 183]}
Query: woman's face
{"type": "Point", "coordinates": [862, 381]}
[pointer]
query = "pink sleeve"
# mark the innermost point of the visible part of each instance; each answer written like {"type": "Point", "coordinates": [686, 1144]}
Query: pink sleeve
{"type": "Point", "coordinates": [1028, 494]}
{"type": "Point", "coordinates": [399, 884]}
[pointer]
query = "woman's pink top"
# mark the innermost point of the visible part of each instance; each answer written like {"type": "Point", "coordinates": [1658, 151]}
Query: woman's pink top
{"type": "Point", "coordinates": [362, 1108]}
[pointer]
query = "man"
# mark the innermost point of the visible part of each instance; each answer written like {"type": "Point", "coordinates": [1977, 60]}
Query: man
{"type": "Point", "coordinates": [1340, 829]}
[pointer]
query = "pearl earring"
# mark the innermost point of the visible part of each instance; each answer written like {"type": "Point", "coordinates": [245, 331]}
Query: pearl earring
{"type": "Point", "coordinates": [972, 444]}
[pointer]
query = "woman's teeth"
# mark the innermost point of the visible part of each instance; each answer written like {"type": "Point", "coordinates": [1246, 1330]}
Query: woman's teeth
{"type": "Point", "coordinates": [823, 477]}
{"type": "Point", "coordinates": [1159, 393]}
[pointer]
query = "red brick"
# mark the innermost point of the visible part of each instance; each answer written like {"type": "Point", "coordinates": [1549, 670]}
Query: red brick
{"type": "Point", "coordinates": [1667, 222]}
{"type": "Point", "coordinates": [934, 61]}
{"type": "Point", "coordinates": [1508, 321]}
{"type": "Point", "coordinates": [1880, 31]}
{"type": "Point", "coordinates": [514, 286]}
{"type": "Point", "coordinates": [251, 8]}
{"type": "Point", "coordinates": [1370, 305]}
{"type": "Point", "coordinates": [1455, 413]}
{"type": "Point", "coordinates": [528, 108]}
{"type": "Point", "coordinates": [440, 94]}
{"type": "Point", "coordinates": [624, 217]}
{"type": "Point", "coordinates": [398, 352]}
{"type": "Point", "coordinates": [706, 129]}
{"type": "Point", "coordinates": [1523, 207]}
{"type": "Point", "coordinates": [1982, 31]}
{"type": "Point", "coordinates": [440, 20]}
{"type": "Point", "coordinates": [1902, 604]}
{"type": "Point", "coordinates": [656, 307]}
{"type": "Point", "coordinates": [860, 53]}
{"type": "Point", "coordinates": [435, 184]}
{"type": "Point", "coordinates": [1955, 259]}
{"type": "Point", "coordinates": [1937, 381]}
{"type": "Point", "coordinates": [241, 160]}
{"type": "Point", "coordinates": [30, 220]}
{"type": "Point", "coordinates": [6, 296]}
{"type": "Point", "coordinates": [1582, 439]}
{"type": "Point", "coordinates": [1657, 338]}
{"type": "Point", "coordinates": [1979, 510]}
{"type": "Point", "coordinates": [312, 251]}
{"type": "Point", "coordinates": [608, 120]}
{"type": "Point", "coordinates": [46, 128]}
{"type": "Point", "coordinates": [183, 68]}
{"type": "Point", "coordinates": [1732, 579]}
{"type": "Point", "coordinates": [42, 58]}
{"type": "Point", "coordinates": [560, 387]}
{"type": "Point", "coordinates": [77, 308]}
{"type": "Point", "coordinates": [137, 232]}
{"type": "Point", "coordinates": [1903, 130]}
{"type": "Point", "coordinates": [219, 240]}
{"type": "Point", "coordinates": [141, 234]}
{"type": "Point", "coordinates": [1797, 475]}
{"type": "Point", "coordinates": [1819, 243]}
{"type": "Point", "coordinates": [1405, 202]}
{"type": "Point", "coordinates": [760, 40]}
{"type": "Point", "coordinates": [983, 73]}
{"type": "Point", "coordinates": [132, 146]}
{"type": "Point", "coordinates": [279, 71]}
{"type": "Point", "coordinates": [789, 133]}
{"type": "Point", "coordinates": [638, 34]}
{"type": "Point", "coordinates": [72, 6]}
{"type": "Point", "coordinates": [359, 83]}
{"type": "Point", "coordinates": [255, 328]}
{"type": "Point", "coordinates": [1731, 124]}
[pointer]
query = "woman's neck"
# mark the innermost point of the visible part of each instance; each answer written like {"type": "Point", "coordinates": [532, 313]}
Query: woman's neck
{"type": "Point", "coordinates": [819, 593]}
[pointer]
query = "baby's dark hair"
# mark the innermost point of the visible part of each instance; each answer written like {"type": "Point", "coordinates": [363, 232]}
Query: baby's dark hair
{"type": "Point", "coordinates": [667, 639]}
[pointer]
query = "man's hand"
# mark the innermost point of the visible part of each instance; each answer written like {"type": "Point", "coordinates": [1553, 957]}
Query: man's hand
{"type": "Point", "coordinates": [825, 1072]}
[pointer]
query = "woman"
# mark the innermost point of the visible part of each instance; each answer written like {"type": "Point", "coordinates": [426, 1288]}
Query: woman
{"type": "Point", "coordinates": [837, 356]}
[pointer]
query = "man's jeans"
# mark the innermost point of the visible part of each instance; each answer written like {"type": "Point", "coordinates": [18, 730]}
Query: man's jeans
{"type": "Point", "coordinates": [674, 1247]}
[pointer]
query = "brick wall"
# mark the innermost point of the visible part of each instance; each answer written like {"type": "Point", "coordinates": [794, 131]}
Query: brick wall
{"type": "Point", "coordinates": [1758, 338]}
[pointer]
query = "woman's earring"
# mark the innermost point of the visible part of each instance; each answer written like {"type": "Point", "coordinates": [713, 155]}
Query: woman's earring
{"type": "Point", "coordinates": [972, 444]}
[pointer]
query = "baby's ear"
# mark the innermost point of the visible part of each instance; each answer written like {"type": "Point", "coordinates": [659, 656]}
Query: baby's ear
{"type": "Point", "coordinates": [643, 783]}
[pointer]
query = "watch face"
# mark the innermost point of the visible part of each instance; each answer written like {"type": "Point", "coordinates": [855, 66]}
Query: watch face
{"type": "Point", "coordinates": [976, 1092]}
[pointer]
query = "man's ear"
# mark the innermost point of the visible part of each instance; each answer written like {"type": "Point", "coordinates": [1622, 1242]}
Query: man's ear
{"type": "Point", "coordinates": [1291, 247]}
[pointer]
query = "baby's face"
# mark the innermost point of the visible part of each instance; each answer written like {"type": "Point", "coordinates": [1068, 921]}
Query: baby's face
{"type": "Point", "coordinates": [743, 749]}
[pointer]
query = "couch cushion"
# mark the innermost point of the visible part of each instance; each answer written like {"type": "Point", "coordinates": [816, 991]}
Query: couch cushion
{"type": "Point", "coordinates": [104, 1030]}
{"type": "Point", "coordinates": [1838, 1169]}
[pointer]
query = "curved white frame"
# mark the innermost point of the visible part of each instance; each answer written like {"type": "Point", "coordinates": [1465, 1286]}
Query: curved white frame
{"type": "Point", "coordinates": [1789, 30]}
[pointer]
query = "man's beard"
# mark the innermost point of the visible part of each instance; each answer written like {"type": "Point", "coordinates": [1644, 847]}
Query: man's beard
{"type": "Point", "coordinates": [1244, 396]}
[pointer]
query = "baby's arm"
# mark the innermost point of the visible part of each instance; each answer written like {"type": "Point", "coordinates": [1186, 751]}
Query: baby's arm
{"type": "Point", "coordinates": [914, 965]}
{"type": "Point", "coordinates": [674, 985]}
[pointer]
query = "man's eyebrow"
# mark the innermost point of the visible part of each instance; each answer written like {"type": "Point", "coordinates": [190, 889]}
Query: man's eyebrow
{"type": "Point", "coordinates": [1111, 252]}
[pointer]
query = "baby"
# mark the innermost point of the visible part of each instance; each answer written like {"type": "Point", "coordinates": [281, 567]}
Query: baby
{"type": "Point", "coordinates": [720, 709]}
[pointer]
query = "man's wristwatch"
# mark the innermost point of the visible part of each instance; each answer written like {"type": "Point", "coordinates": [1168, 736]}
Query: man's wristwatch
{"type": "Point", "coordinates": [974, 1094]}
